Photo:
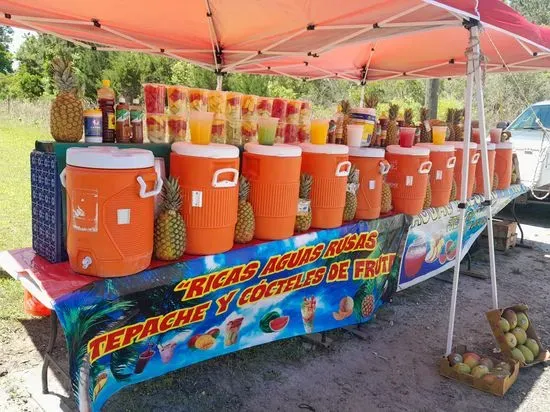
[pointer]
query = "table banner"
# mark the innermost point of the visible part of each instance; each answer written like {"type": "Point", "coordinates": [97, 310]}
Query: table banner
{"type": "Point", "coordinates": [430, 247]}
{"type": "Point", "coordinates": [121, 331]}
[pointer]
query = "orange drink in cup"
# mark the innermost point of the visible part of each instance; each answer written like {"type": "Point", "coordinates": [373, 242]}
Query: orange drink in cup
{"type": "Point", "coordinates": [439, 133]}
{"type": "Point", "coordinates": [200, 124]}
{"type": "Point", "coordinates": [319, 131]}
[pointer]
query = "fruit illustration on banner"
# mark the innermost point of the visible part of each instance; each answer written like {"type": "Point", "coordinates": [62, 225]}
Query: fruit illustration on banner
{"type": "Point", "coordinates": [450, 250]}
{"type": "Point", "coordinates": [415, 256]}
{"type": "Point", "coordinates": [363, 301]}
{"type": "Point", "coordinates": [204, 341]}
{"type": "Point", "coordinates": [170, 234]}
{"type": "Point", "coordinates": [273, 321]}
{"type": "Point", "coordinates": [100, 382]}
{"type": "Point", "coordinates": [345, 308]}
{"type": "Point", "coordinates": [232, 328]}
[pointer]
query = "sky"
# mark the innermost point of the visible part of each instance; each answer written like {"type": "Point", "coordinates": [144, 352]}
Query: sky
{"type": "Point", "coordinates": [18, 39]}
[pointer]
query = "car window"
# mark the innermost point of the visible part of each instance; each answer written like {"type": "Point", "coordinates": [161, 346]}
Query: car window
{"type": "Point", "coordinates": [527, 119]}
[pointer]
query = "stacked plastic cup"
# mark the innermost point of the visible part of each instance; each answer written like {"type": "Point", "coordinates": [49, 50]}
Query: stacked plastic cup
{"type": "Point", "coordinates": [155, 102]}
{"type": "Point", "coordinates": [249, 125]}
{"type": "Point", "coordinates": [178, 113]}
{"type": "Point", "coordinates": [264, 106]}
{"type": "Point", "coordinates": [198, 100]}
{"type": "Point", "coordinates": [278, 110]}
{"type": "Point", "coordinates": [292, 127]}
{"type": "Point", "coordinates": [217, 104]}
{"type": "Point", "coordinates": [304, 127]}
{"type": "Point", "coordinates": [233, 118]}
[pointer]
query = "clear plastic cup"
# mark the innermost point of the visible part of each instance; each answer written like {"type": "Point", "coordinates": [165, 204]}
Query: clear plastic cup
{"type": "Point", "coordinates": [178, 100]}
{"type": "Point", "coordinates": [177, 128]}
{"type": "Point", "coordinates": [406, 136]}
{"type": "Point", "coordinates": [355, 135]}
{"type": "Point", "coordinates": [305, 112]}
{"type": "Point", "coordinates": [439, 134]}
{"type": "Point", "coordinates": [200, 124]}
{"type": "Point", "coordinates": [218, 129]}
{"type": "Point", "coordinates": [304, 132]}
{"type": "Point", "coordinates": [279, 109]}
{"type": "Point", "coordinates": [475, 135]}
{"type": "Point", "coordinates": [291, 133]}
{"type": "Point", "coordinates": [293, 109]}
{"type": "Point", "coordinates": [233, 132]}
{"type": "Point", "coordinates": [216, 102]}
{"type": "Point", "coordinates": [319, 131]}
{"type": "Point", "coordinates": [264, 106]}
{"type": "Point", "coordinates": [495, 133]}
{"type": "Point", "coordinates": [156, 127]}
{"type": "Point", "coordinates": [198, 100]}
{"type": "Point", "coordinates": [267, 130]}
{"type": "Point", "coordinates": [155, 97]}
{"type": "Point", "coordinates": [248, 106]}
{"type": "Point", "coordinates": [249, 130]}
{"type": "Point", "coordinates": [233, 105]}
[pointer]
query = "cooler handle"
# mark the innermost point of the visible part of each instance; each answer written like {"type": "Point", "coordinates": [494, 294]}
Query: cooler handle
{"type": "Point", "coordinates": [384, 167]}
{"type": "Point", "coordinates": [143, 193]}
{"type": "Point", "coordinates": [225, 183]}
{"type": "Point", "coordinates": [63, 177]}
{"type": "Point", "coordinates": [475, 158]}
{"type": "Point", "coordinates": [425, 167]}
{"type": "Point", "coordinates": [341, 165]}
{"type": "Point", "coordinates": [451, 162]}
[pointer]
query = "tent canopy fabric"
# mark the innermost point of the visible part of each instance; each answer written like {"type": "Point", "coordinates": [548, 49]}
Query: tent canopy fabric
{"type": "Point", "coordinates": [353, 39]}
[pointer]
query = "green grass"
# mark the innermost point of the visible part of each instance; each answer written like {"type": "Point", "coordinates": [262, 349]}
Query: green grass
{"type": "Point", "coordinates": [16, 143]}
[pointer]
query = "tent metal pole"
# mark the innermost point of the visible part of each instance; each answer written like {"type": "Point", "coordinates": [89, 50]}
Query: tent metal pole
{"type": "Point", "coordinates": [219, 82]}
{"type": "Point", "coordinates": [487, 180]}
{"type": "Point", "coordinates": [464, 186]}
{"type": "Point", "coordinates": [362, 101]}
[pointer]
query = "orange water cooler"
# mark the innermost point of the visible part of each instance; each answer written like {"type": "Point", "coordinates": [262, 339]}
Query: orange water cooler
{"type": "Point", "coordinates": [372, 167]}
{"type": "Point", "coordinates": [443, 161]}
{"type": "Point", "coordinates": [110, 209]}
{"type": "Point", "coordinates": [208, 176]}
{"type": "Point", "coordinates": [474, 158]}
{"type": "Point", "coordinates": [274, 176]}
{"type": "Point", "coordinates": [329, 166]}
{"type": "Point", "coordinates": [503, 164]}
{"type": "Point", "coordinates": [408, 177]}
{"type": "Point", "coordinates": [479, 169]}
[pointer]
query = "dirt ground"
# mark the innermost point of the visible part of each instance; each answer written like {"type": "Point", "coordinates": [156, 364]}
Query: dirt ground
{"type": "Point", "coordinates": [393, 369]}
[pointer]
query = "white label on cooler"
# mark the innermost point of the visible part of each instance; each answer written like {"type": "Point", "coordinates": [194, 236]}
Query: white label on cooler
{"type": "Point", "coordinates": [372, 184]}
{"type": "Point", "coordinates": [196, 198]}
{"type": "Point", "coordinates": [409, 181]}
{"type": "Point", "coordinates": [438, 174]}
{"type": "Point", "coordinates": [123, 216]}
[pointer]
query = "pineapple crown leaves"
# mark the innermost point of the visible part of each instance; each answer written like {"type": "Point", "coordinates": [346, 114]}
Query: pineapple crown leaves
{"type": "Point", "coordinates": [450, 115]}
{"type": "Point", "coordinates": [424, 113]}
{"type": "Point", "coordinates": [244, 189]}
{"type": "Point", "coordinates": [393, 111]}
{"type": "Point", "coordinates": [408, 117]}
{"type": "Point", "coordinates": [372, 101]}
{"type": "Point", "coordinates": [345, 106]}
{"type": "Point", "coordinates": [64, 75]}
{"type": "Point", "coordinates": [353, 176]}
{"type": "Point", "coordinates": [306, 181]}
{"type": "Point", "coordinates": [171, 195]}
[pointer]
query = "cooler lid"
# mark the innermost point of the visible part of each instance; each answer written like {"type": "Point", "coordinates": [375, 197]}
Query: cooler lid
{"type": "Point", "coordinates": [460, 145]}
{"type": "Point", "coordinates": [334, 149]}
{"type": "Point", "coordinates": [437, 147]}
{"type": "Point", "coordinates": [504, 145]}
{"type": "Point", "coordinates": [212, 150]}
{"type": "Point", "coordinates": [110, 157]}
{"type": "Point", "coordinates": [278, 150]}
{"type": "Point", "coordinates": [366, 152]}
{"type": "Point", "coordinates": [411, 151]}
{"type": "Point", "coordinates": [490, 146]}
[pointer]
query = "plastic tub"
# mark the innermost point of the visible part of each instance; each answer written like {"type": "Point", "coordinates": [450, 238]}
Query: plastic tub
{"type": "Point", "coordinates": [408, 177]}
{"type": "Point", "coordinates": [110, 209]}
{"type": "Point", "coordinates": [208, 176]}
{"type": "Point", "coordinates": [274, 176]}
{"type": "Point", "coordinates": [329, 166]}
{"type": "Point", "coordinates": [474, 158]}
{"type": "Point", "coordinates": [372, 167]}
{"type": "Point", "coordinates": [491, 153]}
{"type": "Point", "coordinates": [365, 117]}
{"type": "Point", "coordinates": [503, 164]}
{"type": "Point", "coordinates": [441, 176]}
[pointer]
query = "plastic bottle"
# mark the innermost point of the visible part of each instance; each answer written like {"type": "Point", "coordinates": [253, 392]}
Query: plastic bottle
{"type": "Point", "coordinates": [136, 118]}
{"type": "Point", "coordinates": [123, 128]}
{"type": "Point", "coordinates": [106, 101]}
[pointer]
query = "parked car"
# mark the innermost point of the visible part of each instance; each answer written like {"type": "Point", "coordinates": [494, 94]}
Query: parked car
{"type": "Point", "coordinates": [532, 145]}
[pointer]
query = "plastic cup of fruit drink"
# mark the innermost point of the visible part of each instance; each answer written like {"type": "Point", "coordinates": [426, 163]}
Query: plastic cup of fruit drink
{"type": "Point", "coordinates": [278, 109]}
{"type": "Point", "coordinates": [355, 135]}
{"type": "Point", "coordinates": [319, 131]}
{"type": "Point", "coordinates": [155, 97]}
{"type": "Point", "coordinates": [167, 352]}
{"type": "Point", "coordinates": [143, 360]}
{"type": "Point", "coordinates": [475, 135]}
{"type": "Point", "coordinates": [439, 133]}
{"type": "Point", "coordinates": [495, 134]}
{"type": "Point", "coordinates": [308, 313]}
{"type": "Point", "coordinates": [200, 124]}
{"type": "Point", "coordinates": [232, 331]}
{"type": "Point", "coordinates": [267, 130]}
{"type": "Point", "coordinates": [406, 136]}
{"type": "Point", "coordinates": [414, 258]}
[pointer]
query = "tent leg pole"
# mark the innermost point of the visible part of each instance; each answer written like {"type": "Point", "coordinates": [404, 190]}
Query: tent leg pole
{"type": "Point", "coordinates": [463, 189]}
{"type": "Point", "coordinates": [487, 180]}
{"type": "Point", "coordinates": [362, 101]}
{"type": "Point", "coordinates": [219, 82]}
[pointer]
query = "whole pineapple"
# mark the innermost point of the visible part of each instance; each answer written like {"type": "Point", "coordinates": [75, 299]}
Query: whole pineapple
{"type": "Point", "coordinates": [458, 125]}
{"type": "Point", "coordinates": [371, 101]}
{"type": "Point", "coordinates": [452, 196]}
{"type": "Point", "coordinates": [392, 134]}
{"type": "Point", "coordinates": [351, 194]}
{"type": "Point", "coordinates": [363, 300]}
{"type": "Point", "coordinates": [386, 205]}
{"type": "Point", "coordinates": [425, 136]}
{"type": "Point", "coordinates": [428, 197]}
{"type": "Point", "coordinates": [244, 229]}
{"type": "Point", "coordinates": [345, 108]}
{"type": "Point", "coordinates": [170, 234]}
{"type": "Point", "coordinates": [66, 112]}
{"type": "Point", "coordinates": [303, 219]}
{"type": "Point", "coordinates": [450, 121]}
{"type": "Point", "coordinates": [495, 182]}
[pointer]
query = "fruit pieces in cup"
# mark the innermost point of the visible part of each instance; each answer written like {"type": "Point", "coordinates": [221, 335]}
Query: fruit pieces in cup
{"type": "Point", "coordinates": [200, 125]}
{"type": "Point", "coordinates": [406, 136]}
{"type": "Point", "coordinates": [293, 111]}
{"type": "Point", "coordinates": [156, 127]}
{"type": "Point", "coordinates": [496, 134]}
{"type": "Point", "coordinates": [198, 100]}
{"type": "Point", "coordinates": [291, 133]}
{"type": "Point", "coordinates": [233, 105]}
{"type": "Point", "coordinates": [218, 129]}
{"type": "Point", "coordinates": [279, 109]}
{"type": "Point", "coordinates": [177, 128]}
{"type": "Point", "coordinates": [233, 132]}
{"type": "Point", "coordinates": [280, 135]}
{"type": "Point", "coordinates": [216, 102]}
{"type": "Point", "coordinates": [304, 132]}
{"type": "Point", "coordinates": [439, 134]}
{"type": "Point", "coordinates": [305, 112]}
{"type": "Point", "coordinates": [249, 130]}
{"type": "Point", "coordinates": [155, 97]}
{"type": "Point", "coordinates": [267, 130]}
{"type": "Point", "coordinates": [248, 106]}
{"type": "Point", "coordinates": [264, 106]}
{"type": "Point", "coordinates": [178, 99]}
{"type": "Point", "coordinates": [319, 131]}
